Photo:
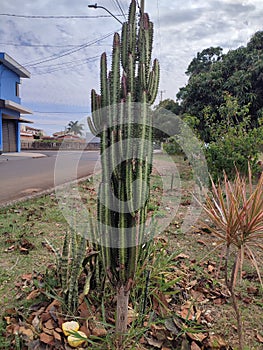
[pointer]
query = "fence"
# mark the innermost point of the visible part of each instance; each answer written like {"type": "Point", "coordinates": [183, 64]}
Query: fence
{"type": "Point", "coordinates": [54, 146]}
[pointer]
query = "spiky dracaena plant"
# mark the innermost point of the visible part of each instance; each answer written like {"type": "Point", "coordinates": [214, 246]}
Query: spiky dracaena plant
{"type": "Point", "coordinates": [122, 120]}
{"type": "Point", "coordinates": [236, 211]}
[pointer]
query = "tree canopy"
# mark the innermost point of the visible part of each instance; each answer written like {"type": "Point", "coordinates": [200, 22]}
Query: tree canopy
{"type": "Point", "coordinates": [75, 127]}
{"type": "Point", "coordinates": [213, 74]}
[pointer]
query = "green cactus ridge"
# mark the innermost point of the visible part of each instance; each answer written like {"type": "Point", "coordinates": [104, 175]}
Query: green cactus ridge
{"type": "Point", "coordinates": [121, 118]}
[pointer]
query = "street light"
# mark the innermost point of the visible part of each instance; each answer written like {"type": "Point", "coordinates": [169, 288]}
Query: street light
{"type": "Point", "coordinates": [104, 8]}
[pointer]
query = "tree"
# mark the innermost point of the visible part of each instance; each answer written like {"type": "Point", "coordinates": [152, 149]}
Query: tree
{"type": "Point", "coordinates": [75, 127]}
{"type": "Point", "coordinates": [203, 61]}
{"type": "Point", "coordinates": [212, 74]}
{"type": "Point", "coordinates": [165, 124]}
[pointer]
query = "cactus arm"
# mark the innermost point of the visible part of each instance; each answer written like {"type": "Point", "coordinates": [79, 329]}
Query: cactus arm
{"type": "Point", "coordinates": [132, 29]}
{"type": "Point", "coordinates": [124, 86]}
{"type": "Point", "coordinates": [64, 263]}
{"type": "Point", "coordinates": [131, 75]}
{"type": "Point", "coordinates": [92, 128]}
{"type": "Point", "coordinates": [103, 80]}
{"type": "Point", "coordinates": [154, 82]}
{"type": "Point", "coordinates": [121, 128]}
{"type": "Point", "coordinates": [124, 46]}
{"type": "Point", "coordinates": [115, 81]}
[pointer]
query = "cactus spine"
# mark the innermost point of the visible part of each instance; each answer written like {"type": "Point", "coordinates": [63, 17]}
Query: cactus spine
{"type": "Point", "coordinates": [121, 118]}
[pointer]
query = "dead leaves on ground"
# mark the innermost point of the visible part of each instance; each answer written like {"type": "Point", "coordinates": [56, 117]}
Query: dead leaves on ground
{"type": "Point", "coordinates": [23, 246]}
{"type": "Point", "coordinates": [181, 319]}
{"type": "Point", "coordinates": [42, 328]}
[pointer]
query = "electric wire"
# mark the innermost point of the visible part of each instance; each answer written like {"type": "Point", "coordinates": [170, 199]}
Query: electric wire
{"type": "Point", "coordinates": [55, 65]}
{"type": "Point", "coordinates": [59, 112]}
{"type": "Point", "coordinates": [67, 66]}
{"type": "Point", "coordinates": [55, 17]}
{"type": "Point", "coordinates": [66, 53]}
{"type": "Point", "coordinates": [41, 45]}
{"type": "Point", "coordinates": [121, 9]}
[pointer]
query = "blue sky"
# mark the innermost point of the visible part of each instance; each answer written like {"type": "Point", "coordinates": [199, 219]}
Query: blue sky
{"type": "Point", "coordinates": [63, 54]}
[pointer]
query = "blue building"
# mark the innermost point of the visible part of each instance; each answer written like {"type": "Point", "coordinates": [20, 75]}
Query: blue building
{"type": "Point", "coordinates": [11, 110]}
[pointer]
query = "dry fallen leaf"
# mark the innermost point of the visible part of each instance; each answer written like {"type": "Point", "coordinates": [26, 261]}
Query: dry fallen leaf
{"type": "Point", "coordinates": [187, 311]}
{"type": "Point", "coordinates": [259, 337]}
{"type": "Point", "coordinates": [99, 332]}
{"type": "Point", "coordinates": [181, 256]}
{"type": "Point", "coordinates": [215, 342]}
{"type": "Point", "coordinates": [49, 324]}
{"type": "Point", "coordinates": [154, 342]}
{"type": "Point", "coordinates": [132, 316]}
{"type": "Point", "coordinates": [57, 336]}
{"type": "Point", "coordinates": [33, 295]}
{"type": "Point", "coordinates": [36, 323]}
{"type": "Point", "coordinates": [197, 336]}
{"type": "Point", "coordinates": [46, 338]}
{"type": "Point", "coordinates": [252, 290]}
{"type": "Point", "coordinates": [27, 332]}
{"type": "Point", "coordinates": [194, 346]}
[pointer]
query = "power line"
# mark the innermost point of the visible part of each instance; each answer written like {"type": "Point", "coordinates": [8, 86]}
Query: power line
{"type": "Point", "coordinates": [39, 45]}
{"type": "Point", "coordinates": [55, 65]}
{"type": "Point", "coordinates": [119, 6]}
{"type": "Point", "coordinates": [66, 53]}
{"type": "Point", "coordinates": [68, 65]}
{"type": "Point", "coordinates": [53, 17]}
{"type": "Point", "coordinates": [60, 112]}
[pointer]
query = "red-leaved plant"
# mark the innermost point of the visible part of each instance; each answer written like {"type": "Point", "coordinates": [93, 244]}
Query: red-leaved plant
{"type": "Point", "coordinates": [236, 213]}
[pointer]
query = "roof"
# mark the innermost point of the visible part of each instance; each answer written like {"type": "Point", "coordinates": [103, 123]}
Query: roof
{"type": "Point", "coordinates": [9, 62]}
{"type": "Point", "coordinates": [33, 129]}
{"type": "Point", "coordinates": [20, 120]}
{"type": "Point", "coordinates": [15, 106]}
{"type": "Point", "coordinates": [27, 134]}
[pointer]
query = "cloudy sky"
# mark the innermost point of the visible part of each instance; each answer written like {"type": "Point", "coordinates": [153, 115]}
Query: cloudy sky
{"type": "Point", "coordinates": [62, 54]}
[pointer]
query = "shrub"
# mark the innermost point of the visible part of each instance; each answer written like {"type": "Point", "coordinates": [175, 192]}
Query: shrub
{"type": "Point", "coordinates": [233, 150]}
{"type": "Point", "coordinates": [234, 141]}
{"type": "Point", "coordinates": [172, 147]}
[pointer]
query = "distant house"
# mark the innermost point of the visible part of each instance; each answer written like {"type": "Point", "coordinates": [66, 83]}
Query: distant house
{"type": "Point", "coordinates": [65, 135]}
{"type": "Point", "coordinates": [27, 133]}
{"type": "Point", "coordinates": [59, 133]}
{"type": "Point", "coordinates": [11, 109]}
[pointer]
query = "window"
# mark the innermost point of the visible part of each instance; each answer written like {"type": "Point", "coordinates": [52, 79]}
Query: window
{"type": "Point", "coordinates": [17, 89]}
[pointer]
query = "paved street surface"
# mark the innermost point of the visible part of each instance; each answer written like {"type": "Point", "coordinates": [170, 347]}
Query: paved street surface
{"type": "Point", "coordinates": [29, 172]}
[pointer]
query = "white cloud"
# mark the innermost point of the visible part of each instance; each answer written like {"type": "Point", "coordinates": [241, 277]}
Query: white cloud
{"type": "Point", "coordinates": [182, 28]}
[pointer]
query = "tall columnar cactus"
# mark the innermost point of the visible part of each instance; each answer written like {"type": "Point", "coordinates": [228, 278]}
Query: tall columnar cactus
{"type": "Point", "coordinates": [122, 119]}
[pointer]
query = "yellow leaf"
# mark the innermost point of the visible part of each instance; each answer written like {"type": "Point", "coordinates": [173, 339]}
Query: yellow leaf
{"type": "Point", "coordinates": [69, 327]}
{"type": "Point", "coordinates": [74, 341]}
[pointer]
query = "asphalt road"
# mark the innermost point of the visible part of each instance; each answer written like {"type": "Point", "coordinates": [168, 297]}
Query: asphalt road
{"type": "Point", "coordinates": [24, 176]}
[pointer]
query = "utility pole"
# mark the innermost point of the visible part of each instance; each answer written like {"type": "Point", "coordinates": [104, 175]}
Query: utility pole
{"type": "Point", "coordinates": [142, 6]}
{"type": "Point", "coordinates": [161, 93]}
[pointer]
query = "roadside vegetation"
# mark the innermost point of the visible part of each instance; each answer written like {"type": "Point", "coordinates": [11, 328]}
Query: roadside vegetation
{"type": "Point", "coordinates": [180, 298]}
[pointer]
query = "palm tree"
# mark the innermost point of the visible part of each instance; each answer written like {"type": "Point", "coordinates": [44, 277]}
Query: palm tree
{"type": "Point", "coordinates": [75, 127]}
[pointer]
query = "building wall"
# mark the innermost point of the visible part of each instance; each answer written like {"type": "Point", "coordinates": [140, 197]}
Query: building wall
{"type": "Point", "coordinates": [1, 138]}
{"type": "Point", "coordinates": [8, 81]}
{"type": "Point", "coordinates": [18, 138]}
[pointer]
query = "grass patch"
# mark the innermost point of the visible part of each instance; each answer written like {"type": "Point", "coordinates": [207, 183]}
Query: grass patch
{"type": "Point", "coordinates": [185, 266]}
